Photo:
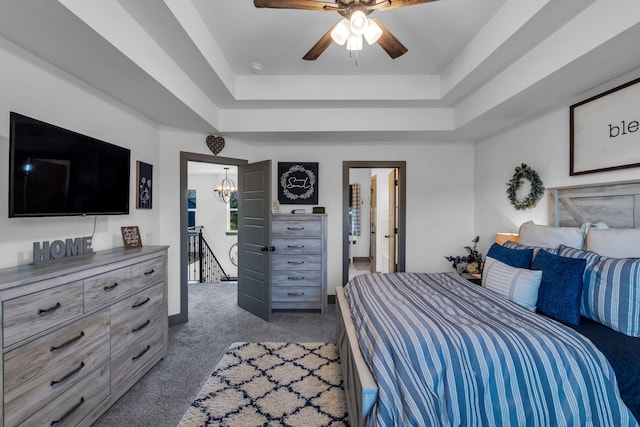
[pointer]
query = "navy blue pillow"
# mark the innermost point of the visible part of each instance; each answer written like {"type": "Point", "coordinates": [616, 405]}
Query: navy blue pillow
{"type": "Point", "coordinates": [560, 291]}
{"type": "Point", "coordinates": [518, 258]}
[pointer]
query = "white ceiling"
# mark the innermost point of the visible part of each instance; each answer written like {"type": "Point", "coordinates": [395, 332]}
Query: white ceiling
{"type": "Point", "coordinates": [473, 67]}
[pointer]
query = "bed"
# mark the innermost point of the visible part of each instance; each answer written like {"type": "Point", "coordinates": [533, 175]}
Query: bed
{"type": "Point", "coordinates": [484, 360]}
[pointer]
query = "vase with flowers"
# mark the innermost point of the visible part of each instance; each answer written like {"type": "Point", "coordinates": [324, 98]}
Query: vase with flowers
{"type": "Point", "coordinates": [469, 264]}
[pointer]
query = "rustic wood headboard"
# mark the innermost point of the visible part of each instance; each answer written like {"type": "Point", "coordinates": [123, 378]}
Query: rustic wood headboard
{"type": "Point", "coordinates": [617, 204]}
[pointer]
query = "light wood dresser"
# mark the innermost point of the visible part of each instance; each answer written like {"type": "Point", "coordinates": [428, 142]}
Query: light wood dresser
{"type": "Point", "coordinates": [79, 332]}
{"type": "Point", "coordinates": [299, 262]}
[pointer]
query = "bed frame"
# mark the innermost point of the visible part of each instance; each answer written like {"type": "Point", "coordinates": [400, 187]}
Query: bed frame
{"type": "Point", "coordinates": [617, 204]}
{"type": "Point", "coordinates": [360, 388]}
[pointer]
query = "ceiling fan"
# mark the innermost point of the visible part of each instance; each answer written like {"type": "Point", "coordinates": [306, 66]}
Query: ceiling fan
{"type": "Point", "coordinates": [354, 27]}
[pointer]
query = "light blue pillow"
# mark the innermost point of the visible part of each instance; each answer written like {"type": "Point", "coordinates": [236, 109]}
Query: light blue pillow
{"type": "Point", "coordinates": [520, 285]}
{"type": "Point", "coordinates": [612, 294]}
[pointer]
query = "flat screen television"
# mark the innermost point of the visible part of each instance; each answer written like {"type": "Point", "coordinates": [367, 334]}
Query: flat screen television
{"type": "Point", "coordinates": [58, 172]}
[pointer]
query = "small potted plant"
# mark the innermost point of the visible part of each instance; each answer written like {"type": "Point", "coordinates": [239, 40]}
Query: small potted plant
{"type": "Point", "coordinates": [469, 264]}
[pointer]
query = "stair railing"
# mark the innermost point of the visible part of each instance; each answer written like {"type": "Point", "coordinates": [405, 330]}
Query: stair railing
{"type": "Point", "coordinates": [204, 267]}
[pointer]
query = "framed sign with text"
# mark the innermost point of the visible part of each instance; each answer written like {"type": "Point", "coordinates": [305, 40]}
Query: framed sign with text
{"type": "Point", "coordinates": [605, 131]}
{"type": "Point", "coordinates": [297, 183]}
{"type": "Point", "coordinates": [131, 237]}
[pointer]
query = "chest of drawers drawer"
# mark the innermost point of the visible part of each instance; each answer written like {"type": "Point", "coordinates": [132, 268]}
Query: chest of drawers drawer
{"type": "Point", "coordinates": [106, 287]}
{"type": "Point", "coordinates": [296, 277]}
{"type": "Point", "coordinates": [296, 228]}
{"type": "Point", "coordinates": [33, 313]}
{"type": "Point", "coordinates": [296, 246]}
{"type": "Point", "coordinates": [135, 315]}
{"type": "Point", "coordinates": [41, 370]}
{"type": "Point", "coordinates": [295, 262]}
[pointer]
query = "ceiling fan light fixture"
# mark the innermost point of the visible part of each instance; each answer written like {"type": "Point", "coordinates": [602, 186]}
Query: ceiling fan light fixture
{"type": "Point", "coordinates": [358, 23]}
{"type": "Point", "coordinates": [341, 32]}
{"type": "Point", "coordinates": [354, 42]}
{"type": "Point", "coordinates": [373, 32]}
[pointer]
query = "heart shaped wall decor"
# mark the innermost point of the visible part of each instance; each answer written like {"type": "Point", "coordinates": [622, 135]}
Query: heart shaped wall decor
{"type": "Point", "coordinates": [215, 144]}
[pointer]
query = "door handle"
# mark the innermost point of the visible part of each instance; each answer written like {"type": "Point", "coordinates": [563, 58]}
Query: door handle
{"type": "Point", "coordinates": [268, 249]}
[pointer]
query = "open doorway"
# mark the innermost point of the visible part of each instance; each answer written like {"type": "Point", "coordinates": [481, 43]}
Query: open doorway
{"type": "Point", "coordinates": [185, 158]}
{"type": "Point", "coordinates": [212, 222]}
{"type": "Point", "coordinates": [374, 206]}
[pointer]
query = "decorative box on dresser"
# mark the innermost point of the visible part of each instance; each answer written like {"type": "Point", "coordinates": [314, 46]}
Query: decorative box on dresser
{"type": "Point", "coordinates": [78, 332]}
{"type": "Point", "coordinates": [299, 262]}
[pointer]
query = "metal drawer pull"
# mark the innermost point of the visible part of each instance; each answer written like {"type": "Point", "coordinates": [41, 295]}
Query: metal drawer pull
{"type": "Point", "coordinates": [134, 358]}
{"type": "Point", "coordinates": [110, 288]}
{"type": "Point", "coordinates": [134, 330]}
{"type": "Point", "coordinates": [69, 375]}
{"type": "Point", "coordinates": [295, 246]}
{"type": "Point", "coordinates": [69, 412]}
{"type": "Point", "coordinates": [295, 262]}
{"type": "Point", "coordinates": [140, 304]}
{"type": "Point", "coordinates": [67, 343]}
{"type": "Point", "coordinates": [149, 273]}
{"type": "Point", "coordinates": [297, 294]}
{"type": "Point", "coordinates": [49, 310]}
{"type": "Point", "coordinates": [296, 278]}
{"type": "Point", "coordinates": [295, 228]}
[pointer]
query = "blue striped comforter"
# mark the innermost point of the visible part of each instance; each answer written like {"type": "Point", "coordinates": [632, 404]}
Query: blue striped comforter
{"type": "Point", "coordinates": [447, 352]}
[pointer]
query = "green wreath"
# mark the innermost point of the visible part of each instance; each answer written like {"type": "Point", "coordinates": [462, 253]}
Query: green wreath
{"type": "Point", "coordinates": [537, 189]}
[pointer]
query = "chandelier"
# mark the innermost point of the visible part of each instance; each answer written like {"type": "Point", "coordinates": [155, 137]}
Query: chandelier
{"type": "Point", "coordinates": [226, 188]}
{"type": "Point", "coordinates": [352, 30]}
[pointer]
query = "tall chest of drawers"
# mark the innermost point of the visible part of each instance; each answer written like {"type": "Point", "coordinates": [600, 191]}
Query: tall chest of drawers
{"type": "Point", "coordinates": [299, 262]}
{"type": "Point", "coordinates": [79, 332]}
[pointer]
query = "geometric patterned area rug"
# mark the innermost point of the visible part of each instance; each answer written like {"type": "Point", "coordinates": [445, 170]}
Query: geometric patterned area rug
{"type": "Point", "coordinates": [272, 384]}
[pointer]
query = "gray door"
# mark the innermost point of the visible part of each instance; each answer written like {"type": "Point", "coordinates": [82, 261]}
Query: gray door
{"type": "Point", "coordinates": [254, 238]}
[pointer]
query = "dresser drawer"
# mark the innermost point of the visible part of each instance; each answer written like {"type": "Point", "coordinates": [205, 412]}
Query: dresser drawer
{"type": "Point", "coordinates": [27, 362]}
{"type": "Point", "coordinates": [106, 287]}
{"type": "Point", "coordinates": [29, 314]}
{"type": "Point", "coordinates": [135, 315]}
{"type": "Point", "coordinates": [296, 293]}
{"type": "Point", "coordinates": [296, 246]}
{"type": "Point", "coordinates": [61, 374]}
{"type": "Point", "coordinates": [72, 406]}
{"type": "Point", "coordinates": [296, 278]}
{"type": "Point", "coordinates": [296, 262]}
{"type": "Point", "coordinates": [296, 228]}
{"type": "Point", "coordinates": [132, 363]}
{"type": "Point", "coordinates": [147, 273]}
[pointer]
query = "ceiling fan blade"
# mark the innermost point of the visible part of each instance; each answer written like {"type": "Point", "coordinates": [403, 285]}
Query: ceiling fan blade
{"type": "Point", "coordinates": [394, 4]}
{"type": "Point", "coordinates": [322, 45]}
{"type": "Point", "coordinates": [295, 4]}
{"type": "Point", "coordinates": [389, 42]}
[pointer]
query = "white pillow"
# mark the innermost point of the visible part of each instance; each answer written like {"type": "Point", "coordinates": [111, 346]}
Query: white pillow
{"type": "Point", "coordinates": [551, 237]}
{"type": "Point", "coordinates": [520, 285]}
{"type": "Point", "coordinates": [615, 242]}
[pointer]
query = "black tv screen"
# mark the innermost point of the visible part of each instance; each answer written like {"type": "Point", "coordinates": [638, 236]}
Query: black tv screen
{"type": "Point", "coordinates": [58, 172]}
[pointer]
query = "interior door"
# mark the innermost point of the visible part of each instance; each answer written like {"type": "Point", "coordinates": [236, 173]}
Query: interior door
{"type": "Point", "coordinates": [373, 219]}
{"type": "Point", "coordinates": [391, 232]}
{"type": "Point", "coordinates": [254, 238]}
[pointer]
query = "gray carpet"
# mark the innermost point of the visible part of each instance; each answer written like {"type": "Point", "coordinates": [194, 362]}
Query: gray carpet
{"type": "Point", "coordinates": [162, 396]}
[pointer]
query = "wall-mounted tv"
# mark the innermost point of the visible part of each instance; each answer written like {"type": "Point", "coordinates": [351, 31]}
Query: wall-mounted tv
{"type": "Point", "coordinates": [58, 172]}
